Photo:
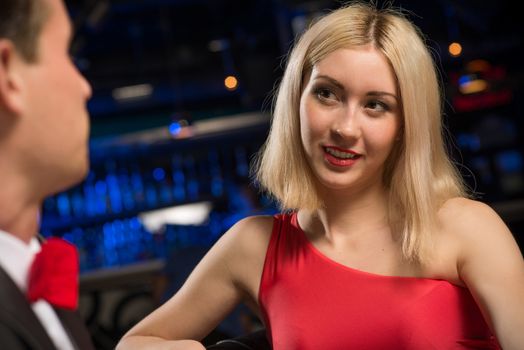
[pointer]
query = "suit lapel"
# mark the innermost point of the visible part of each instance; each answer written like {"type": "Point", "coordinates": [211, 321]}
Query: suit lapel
{"type": "Point", "coordinates": [75, 328]}
{"type": "Point", "coordinates": [16, 312]}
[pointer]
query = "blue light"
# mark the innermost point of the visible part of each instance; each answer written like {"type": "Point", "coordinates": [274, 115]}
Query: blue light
{"type": "Point", "coordinates": [100, 187]}
{"type": "Point", "coordinates": [134, 223]}
{"type": "Point", "coordinates": [159, 174]}
{"type": "Point", "coordinates": [510, 161]}
{"type": "Point", "coordinates": [63, 204]}
{"type": "Point", "coordinates": [469, 141]}
{"type": "Point", "coordinates": [175, 128]}
{"type": "Point", "coordinates": [466, 79]}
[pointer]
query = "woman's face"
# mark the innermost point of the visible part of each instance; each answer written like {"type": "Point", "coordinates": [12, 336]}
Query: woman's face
{"type": "Point", "coordinates": [349, 118]}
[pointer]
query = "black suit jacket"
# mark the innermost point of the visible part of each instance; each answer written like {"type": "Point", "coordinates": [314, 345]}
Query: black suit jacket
{"type": "Point", "coordinates": [21, 329]}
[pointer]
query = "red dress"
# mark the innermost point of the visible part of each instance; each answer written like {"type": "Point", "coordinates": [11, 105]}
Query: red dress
{"type": "Point", "coordinates": [308, 301]}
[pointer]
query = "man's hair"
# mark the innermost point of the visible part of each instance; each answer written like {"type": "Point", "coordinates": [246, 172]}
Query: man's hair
{"type": "Point", "coordinates": [21, 22]}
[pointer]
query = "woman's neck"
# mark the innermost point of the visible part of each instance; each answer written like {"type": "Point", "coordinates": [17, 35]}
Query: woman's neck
{"type": "Point", "coordinates": [351, 214]}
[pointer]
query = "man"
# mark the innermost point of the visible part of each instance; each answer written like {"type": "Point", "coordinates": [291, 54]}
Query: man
{"type": "Point", "coordinates": [43, 149]}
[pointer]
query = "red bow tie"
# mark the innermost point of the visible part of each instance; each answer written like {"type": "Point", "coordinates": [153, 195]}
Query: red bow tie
{"type": "Point", "coordinates": [54, 274]}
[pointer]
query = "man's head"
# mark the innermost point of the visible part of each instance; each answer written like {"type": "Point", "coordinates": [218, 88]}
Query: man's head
{"type": "Point", "coordinates": [43, 118]}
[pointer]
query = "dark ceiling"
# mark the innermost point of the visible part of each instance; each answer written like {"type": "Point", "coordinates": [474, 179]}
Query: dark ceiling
{"type": "Point", "coordinates": [183, 49]}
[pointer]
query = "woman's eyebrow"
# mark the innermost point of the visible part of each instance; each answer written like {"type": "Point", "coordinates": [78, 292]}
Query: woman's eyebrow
{"type": "Point", "coordinates": [331, 80]}
{"type": "Point", "coordinates": [382, 93]}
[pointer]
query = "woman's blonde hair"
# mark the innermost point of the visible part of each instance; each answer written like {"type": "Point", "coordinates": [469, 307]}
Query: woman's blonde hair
{"type": "Point", "coordinates": [418, 173]}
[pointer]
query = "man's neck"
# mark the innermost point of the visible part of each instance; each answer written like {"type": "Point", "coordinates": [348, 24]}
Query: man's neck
{"type": "Point", "coordinates": [19, 211]}
{"type": "Point", "coordinates": [22, 223]}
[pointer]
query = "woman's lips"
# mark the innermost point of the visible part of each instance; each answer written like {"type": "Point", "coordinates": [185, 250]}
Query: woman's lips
{"type": "Point", "coordinates": [340, 157]}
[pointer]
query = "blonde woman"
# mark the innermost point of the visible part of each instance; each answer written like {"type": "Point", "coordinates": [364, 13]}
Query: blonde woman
{"type": "Point", "coordinates": [377, 248]}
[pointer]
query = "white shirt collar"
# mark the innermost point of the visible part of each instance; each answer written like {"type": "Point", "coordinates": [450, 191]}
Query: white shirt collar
{"type": "Point", "coordinates": [16, 257]}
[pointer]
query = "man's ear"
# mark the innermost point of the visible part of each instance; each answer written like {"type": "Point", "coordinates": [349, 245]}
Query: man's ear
{"type": "Point", "coordinates": [11, 96]}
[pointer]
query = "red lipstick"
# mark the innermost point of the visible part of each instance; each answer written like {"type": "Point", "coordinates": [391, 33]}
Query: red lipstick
{"type": "Point", "coordinates": [340, 157]}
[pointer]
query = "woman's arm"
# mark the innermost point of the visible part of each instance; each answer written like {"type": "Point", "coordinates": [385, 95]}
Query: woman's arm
{"type": "Point", "coordinates": [209, 294]}
{"type": "Point", "coordinates": [492, 267]}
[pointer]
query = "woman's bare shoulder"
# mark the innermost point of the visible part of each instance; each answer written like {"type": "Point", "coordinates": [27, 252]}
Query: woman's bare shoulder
{"type": "Point", "coordinates": [244, 243]}
{"type": "Point", "coordinates": [462, 203]}
{"type": "Point", "coordinates": [469, 216]}
{"type": "Point", "coordinates": [470, 231]}
{"type": "Point", "coordinates": [247, 242]}
{"type": "Point", "coordinates": [476, 226]}
{"type": "Point", "coordinates": [252, 231]}
{"type": "Point", "coordinates": [489, 263]}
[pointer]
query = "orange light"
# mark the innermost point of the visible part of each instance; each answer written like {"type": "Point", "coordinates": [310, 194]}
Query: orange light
{"type": "Point", "coordinates": [478, 66]}
{"type": "Point", "coordinates": [231, 82]}
{"type": "Point", "coordinates": [474, 86]}
{"type": "Point", "coordinates": [455, 49]}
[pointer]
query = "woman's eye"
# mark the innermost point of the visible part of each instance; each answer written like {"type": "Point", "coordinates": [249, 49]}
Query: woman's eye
{"type": "Point", "coordinates": [378, 106]}
{"type": "Point", "coordinates": [324, 94]}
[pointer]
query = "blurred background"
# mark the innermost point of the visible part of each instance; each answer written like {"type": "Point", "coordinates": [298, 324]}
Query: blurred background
{"type": "Point", "coordinates": [182, 101]}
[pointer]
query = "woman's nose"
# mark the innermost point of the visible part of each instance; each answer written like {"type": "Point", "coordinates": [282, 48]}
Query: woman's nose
{"type": "Point", "coordinates": [347, 125]}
